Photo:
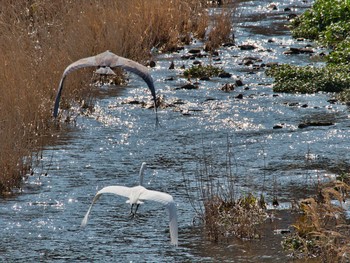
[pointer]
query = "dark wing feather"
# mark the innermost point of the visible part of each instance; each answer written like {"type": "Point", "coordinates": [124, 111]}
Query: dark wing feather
{"type": "Point", "coordinates": [139, 70]}
{"type": "Point", "coordinates": [81, 63]}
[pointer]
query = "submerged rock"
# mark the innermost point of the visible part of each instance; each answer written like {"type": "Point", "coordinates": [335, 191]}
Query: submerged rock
{"type": "Point", "coordinates": [132, 101]}
{"type": "Point", "coordinates": [239, 96]}
{"type": "Point", "coordinates": [295, 51]}
{"type": "Point", "coordinates": [229, 44]}
{"type": "Point", "coordinates": [225, 75]}
{"type": "Point", "coordinates": [247, 47]}
{"type": "Point", "coordinates": [314, 123]}
{"type": "Point", "coordinates": [278, 126]}
{"type": "Point", "coordinates": [228, 87]}
{"type": "Point", "coordinates": [194, 51]}
{"type": "Point", "coordinates": [272, 7]}
{"type": "Point", "coordinates": [188, 86]}
{"type": "Point", "coordinates": [239, 82]}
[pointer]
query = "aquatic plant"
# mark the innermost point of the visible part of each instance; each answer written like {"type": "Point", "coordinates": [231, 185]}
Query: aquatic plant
{"type": "Point", "coordinates": [288, 78]}
{"type": "Point", "coordinates": [199, 71]}
{"type": "Point", "coordinates": [326, 20]}
{"type": "Point", "coordinates": [233, 218]}
{"type": "Point", "coordinates": [321, 230]}
{"type": "Point", "coordinates": [341, 53]}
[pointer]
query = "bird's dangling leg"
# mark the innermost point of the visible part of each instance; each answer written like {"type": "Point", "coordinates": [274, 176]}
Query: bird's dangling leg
{"type": "Point", "coordinates": [137, 206]}
{"type": "Point", "coordinates": [131, 215]}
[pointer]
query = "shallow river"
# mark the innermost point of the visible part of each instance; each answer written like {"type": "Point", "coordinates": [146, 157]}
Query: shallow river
{"type": "Point", "coordinates": [108, 146]}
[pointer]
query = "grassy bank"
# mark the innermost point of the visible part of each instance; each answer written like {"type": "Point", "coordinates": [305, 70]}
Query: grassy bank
{"type": "Point", "coordinates": [39, 38]}
{"type": "Point", "coordinates": [327, 23]}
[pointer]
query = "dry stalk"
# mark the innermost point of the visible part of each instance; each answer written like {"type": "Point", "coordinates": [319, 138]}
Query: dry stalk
{"type": "Point", "coordinates": [322, 228]}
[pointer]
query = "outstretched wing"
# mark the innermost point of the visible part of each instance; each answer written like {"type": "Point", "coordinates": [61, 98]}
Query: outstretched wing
{"type": "Point", "coordinates": [117, 190]}
{"type": "Point", "coordinates": [156, 196]}
{"type": "Point", "coordinates": [139, 70]}
{"type": "Point", "coordinates": [167, 200]}
{"type": "Point", "coordinates": [81, 63]}
{"type": "Point", "coordinates": [107, 59]}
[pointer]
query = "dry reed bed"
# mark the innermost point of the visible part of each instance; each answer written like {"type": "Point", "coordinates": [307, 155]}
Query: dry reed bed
{"type": "Point", "coordinates": [322, 229]}
{"type": "Point", "coordinates": [39, 38]}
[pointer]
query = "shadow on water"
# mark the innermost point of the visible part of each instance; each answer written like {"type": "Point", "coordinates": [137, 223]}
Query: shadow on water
{"type": "Point", "coordinates": [107, 145]}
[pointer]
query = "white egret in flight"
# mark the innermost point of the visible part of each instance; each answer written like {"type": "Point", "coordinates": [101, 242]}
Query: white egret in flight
{"type": "Point", "coordinates": [105, 62]}
{"type": "Point", "coordinates": [136, 195]}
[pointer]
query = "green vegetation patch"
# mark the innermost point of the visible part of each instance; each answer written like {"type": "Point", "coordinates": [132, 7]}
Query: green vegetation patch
{"type": "Point", "coordinates": [341, 53]}
{"type": "Point", "coordinates": [328, 22]}
{"type": "Point", "coordinates": [199, 71]}
{"type": "Point", "coordinates": [325, 21]}
{"type": "Point", "coordinates": [288, 78]}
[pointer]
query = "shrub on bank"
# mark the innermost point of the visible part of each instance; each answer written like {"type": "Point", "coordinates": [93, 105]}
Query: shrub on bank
{"type": "Point", "coordinates": [321, 229]}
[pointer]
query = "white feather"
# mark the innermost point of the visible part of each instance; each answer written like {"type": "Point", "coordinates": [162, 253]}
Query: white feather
{"type": "Point", "coordinates": [136, 195]}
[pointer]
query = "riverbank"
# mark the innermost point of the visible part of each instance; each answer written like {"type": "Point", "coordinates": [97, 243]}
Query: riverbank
{"type": "Point", "coordinates": [39, 39]}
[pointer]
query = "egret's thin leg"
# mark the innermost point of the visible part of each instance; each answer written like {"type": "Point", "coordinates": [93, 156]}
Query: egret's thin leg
{"type": "Point", "coordinates": [137, 206]}
{"type": "Point", "coordinates": [131, 212]}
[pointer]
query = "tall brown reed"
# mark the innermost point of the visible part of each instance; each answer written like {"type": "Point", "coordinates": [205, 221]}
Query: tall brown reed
{"type": "Point", "coordinates": [226, 213]}
{"type": "Point", "coordinates": [322, 230]}
{"type": "Point", "coordinates": [39, 38]}
{"type": "Point", "coordinates": [220, 31]}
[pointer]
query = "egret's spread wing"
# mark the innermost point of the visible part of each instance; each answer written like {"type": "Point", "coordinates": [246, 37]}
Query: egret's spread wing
{"type": "Point", "coordinates": [139, 70]}
{"type": "Point", "coordinates": [156, 196]}
{"type": "Point", "coordinates": [167, 200]}
{"type": "Point", "coordinates": [117, 190]}
{"type": "Point", "coordinates": [81, 63]}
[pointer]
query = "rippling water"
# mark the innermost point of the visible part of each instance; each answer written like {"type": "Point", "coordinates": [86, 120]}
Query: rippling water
{"type": "Point", "coordinates": [108, 146]}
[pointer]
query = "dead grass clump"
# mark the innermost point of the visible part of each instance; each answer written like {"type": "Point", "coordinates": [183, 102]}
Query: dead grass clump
{"type": "Point", "coordinates": [220, 31]}
{"type": "Point", "coordinates": [322, 230]}
{"type": "Point", "coordinates": [39, 38]}
{"type": "Point", "coordinates": [239, 218]}
{"type": "Point", "coordinates": [224, 213]}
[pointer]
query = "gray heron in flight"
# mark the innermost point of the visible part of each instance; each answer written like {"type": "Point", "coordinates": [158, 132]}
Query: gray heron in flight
{"type": "Point", "coordinates": [105, 62]}
{"type": "Point", "coordinates": [136, 195]}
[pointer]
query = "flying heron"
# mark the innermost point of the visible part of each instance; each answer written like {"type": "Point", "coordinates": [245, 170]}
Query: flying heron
{"type": "Point", "coordinates": [105, 62]}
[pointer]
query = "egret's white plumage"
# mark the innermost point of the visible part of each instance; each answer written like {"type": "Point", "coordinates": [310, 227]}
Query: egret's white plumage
{"type": "Point", "coordinates": [136, 195]}
{"type": "Point", "coordinates": [105, 62]}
